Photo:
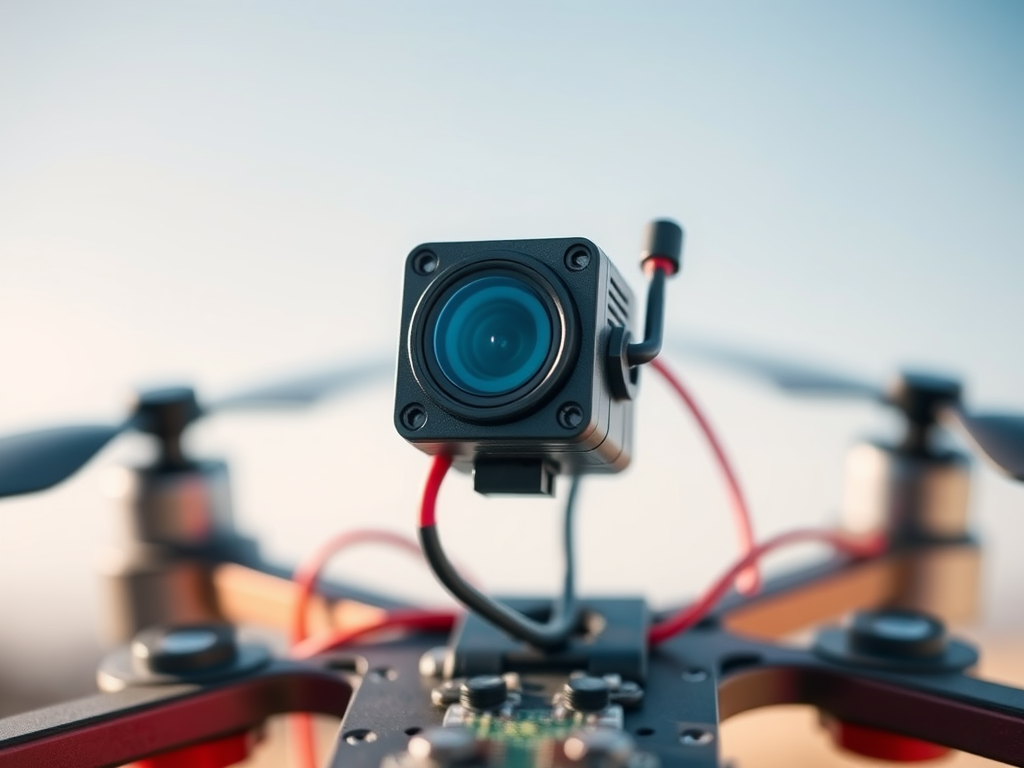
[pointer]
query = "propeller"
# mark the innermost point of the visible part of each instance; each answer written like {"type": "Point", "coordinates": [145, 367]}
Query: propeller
{"type": "Point", "coordinates": [36, 460]}
{"type": "Point", "coordinates": [923, 398]}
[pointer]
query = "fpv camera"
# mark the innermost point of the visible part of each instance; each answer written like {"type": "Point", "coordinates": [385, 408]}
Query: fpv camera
{"type": "Point", "coordinates": [516, 356]}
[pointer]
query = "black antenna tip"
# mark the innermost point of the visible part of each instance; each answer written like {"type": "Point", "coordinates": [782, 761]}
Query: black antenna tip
{"type": "Point", "coordinates": [663, 239]}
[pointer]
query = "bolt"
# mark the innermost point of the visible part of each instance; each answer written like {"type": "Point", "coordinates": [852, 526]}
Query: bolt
{"type": "Point", "coordinates": [586, 694]}
{"type": "Point", "coordinates": [444, 695]}
{"type": "Point", "coordinates": [577, 258]}
{"type": "Point", "coordinates": [443, 747]}
{"type": "Point", "coordinates": [897, 633]}
{"type": "Point", "coordinates": [599, 748]}
{"type": "Point", "coordinates": [414, 416]}
{"type": "Point", "coordinates": [432, 662]}
{"type": "Point", "coordinates": [424, 263]}
{"type": "Point", "coordinates": [483, 692]}
{"type": "Point", "coordinates": [570, 415]}
{"type": "Point", "coordinates": [628, 694]}
{"type": "Point", "coordinates": [183, 650]}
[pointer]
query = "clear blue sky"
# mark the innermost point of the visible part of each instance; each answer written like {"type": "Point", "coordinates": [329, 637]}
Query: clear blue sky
{"type": "Point", "coordinates": [223, 190]}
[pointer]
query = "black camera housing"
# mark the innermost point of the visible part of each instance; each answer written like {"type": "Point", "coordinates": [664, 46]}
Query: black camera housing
{"type": "Point", "coordinates": [565, 419]}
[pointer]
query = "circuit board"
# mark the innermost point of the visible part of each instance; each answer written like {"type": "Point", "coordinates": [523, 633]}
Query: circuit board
{"type": "Point", "coordinates": [530, 738]}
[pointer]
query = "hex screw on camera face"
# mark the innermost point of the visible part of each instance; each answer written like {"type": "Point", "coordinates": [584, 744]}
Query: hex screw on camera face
{"type": "Point", "coordinates": [577, 258]}
{"type": "Point", "coordinates": [425, 263]}
{"type": "Point", "coordinates": [414, 416]}
{"type": "Point", "coordinates": [570, 415]}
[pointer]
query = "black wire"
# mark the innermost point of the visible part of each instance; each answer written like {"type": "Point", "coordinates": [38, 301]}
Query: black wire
{"type": "Point", "coordinates": [565, 615]}
{"type": "Point", "coordinates": [642, 352]}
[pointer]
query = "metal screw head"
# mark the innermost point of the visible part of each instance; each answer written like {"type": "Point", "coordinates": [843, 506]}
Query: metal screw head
{"type": "Point", "coordinates": [587, 694]}
{"type": "Point", "coordinates": [445, 694]}
{"type": "Point", "coordinates": [600, 748]}
{"type": "Point", "coordinates": [424, 263]}
{"type": "Point", "coordinates": [432, 662]}
{"type": "Point", "coordinates": [897, 633]}
{"type": "Point", "coordinates": [570, 415]}
{"type": "Point", "coordinates": [578, 258]}
{"type": "Point", "coordinates": [628, 694]}
{"type": "Point", "coordinates": [483, 692]}
{"type": "Point", "coordinates": [413, 416]}
{"type": "Point", "coordinates": [180, 650]}
{"type": "Point", "coordinates": [443, 746]}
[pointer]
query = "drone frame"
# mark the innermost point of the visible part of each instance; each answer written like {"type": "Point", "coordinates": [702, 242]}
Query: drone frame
{"type": "Point", "coordinates": [728, 664]}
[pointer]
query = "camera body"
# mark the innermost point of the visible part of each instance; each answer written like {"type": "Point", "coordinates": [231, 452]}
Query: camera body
{"type": "Point", "coordinates": [503, 360]}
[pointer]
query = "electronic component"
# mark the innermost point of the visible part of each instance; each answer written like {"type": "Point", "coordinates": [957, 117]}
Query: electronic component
{"type": "Point", "coordinates": [516, 357]}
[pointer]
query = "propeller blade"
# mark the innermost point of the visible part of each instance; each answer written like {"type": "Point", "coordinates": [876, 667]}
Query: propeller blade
{"type": "Point", "coordinates": [307, 389]}
{"type": "Point", "coordinates": [34, 461]}
{"type": "Point", "coordinates": [997, 436]}
{"type": "Point", "coordinates": [792, 377]}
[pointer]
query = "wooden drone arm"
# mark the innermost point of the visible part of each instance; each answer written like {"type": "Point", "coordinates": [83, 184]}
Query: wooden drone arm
{"type": "Point", "coordinates": [940, 578]}
{"type": "Point", "coordinates": [247, 596]}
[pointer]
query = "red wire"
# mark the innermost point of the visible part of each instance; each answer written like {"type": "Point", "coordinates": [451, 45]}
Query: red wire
{"type": "Point", "coordinates": [425, 621]}
{"type": "Point", "coordinates": [308, 572]}
{"type": "Point", "coordinates": [306, 576]}
{"type": "Point", "coordinates": [693, 613]}
{"type": "Point", "coordinates": [749, 581]}
{"type": "Point", "coordinates": [428, 508]}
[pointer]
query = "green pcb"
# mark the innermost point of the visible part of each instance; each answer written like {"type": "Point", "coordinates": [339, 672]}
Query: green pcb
{"type": "Point", "coordinates": [529, 739]}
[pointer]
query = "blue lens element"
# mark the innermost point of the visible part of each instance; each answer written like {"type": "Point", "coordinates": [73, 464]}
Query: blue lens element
{"type": "Point", "coordinates": [492, 336]}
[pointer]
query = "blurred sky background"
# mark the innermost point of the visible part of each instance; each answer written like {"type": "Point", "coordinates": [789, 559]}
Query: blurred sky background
{"type": "Point", "coordinates": [224, 192]}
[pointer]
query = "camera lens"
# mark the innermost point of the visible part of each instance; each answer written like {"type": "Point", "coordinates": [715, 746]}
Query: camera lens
{"type": "Point", "coordinates": [492, 336]}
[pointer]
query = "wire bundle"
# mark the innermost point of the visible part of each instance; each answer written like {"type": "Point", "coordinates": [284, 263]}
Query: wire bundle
{"type": "Point", "coordinates": [566, 614]}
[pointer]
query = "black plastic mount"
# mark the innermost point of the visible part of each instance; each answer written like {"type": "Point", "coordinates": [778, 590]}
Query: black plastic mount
{"type": "Point", "coordinates": [534, 477]}
{"type": "Point", "coordinates": [612, 640]}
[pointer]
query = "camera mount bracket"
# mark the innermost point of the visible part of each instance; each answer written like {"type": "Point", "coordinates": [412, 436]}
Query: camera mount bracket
{"type": "Point", "coordinates": [612, 640]}
{"type": "Point", "coordinates": [510, 475]}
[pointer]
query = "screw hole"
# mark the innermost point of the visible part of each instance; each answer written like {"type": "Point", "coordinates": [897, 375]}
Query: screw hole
{"type": "Point", "coordinates": [695, 675]}
{"type": "Point", "coordinates": [360, 736]}
{"type": "Point", "coordinates": [645, 731]}
{"type": "Point", "coordinates": [695, 737]}
{"type": "Point", "coordinates": [382, 674]}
